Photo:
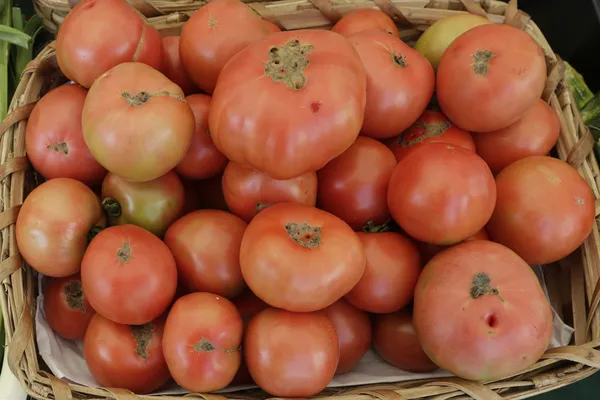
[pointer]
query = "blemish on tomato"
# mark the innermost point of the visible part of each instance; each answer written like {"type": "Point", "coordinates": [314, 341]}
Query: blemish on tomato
{"type": "Point", "coordinates": [579, 200]}
{"type": "Point", "coordinates": [315, 106]}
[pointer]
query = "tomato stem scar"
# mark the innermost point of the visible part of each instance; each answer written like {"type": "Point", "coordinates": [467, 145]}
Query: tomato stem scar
{"type": "Point", "coordinates": [142, 334]}
{"type": "Point", "coordinates": [304, 234]}
{"type": "Point", "coordinates": [74, 296]}
{"type": "Point", "coordinates": [286, 63]}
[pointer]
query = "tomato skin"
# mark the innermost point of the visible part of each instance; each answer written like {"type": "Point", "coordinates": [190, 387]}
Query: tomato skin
{"type": "Point", "coordinates": [98, 35]}
{"type": "Point", "coordinates": [172, 67]}
{"type": "Point", "coordinates": [441, 194]}
{"type": "Point", "coordinates": [365, 20]}
{"type": "Point", "coordinates": [271, 26]}
{"type": "Point", "coordinates": [309, 130]}
{"type": "Point", "coordinates": [501, 148]}
{"type": "Point", "coordinates": [491, 336]}
{"type": "Point", "coordinates": [206, 247]}
{"type": "Point", "coordinates": [202, 341]}
{"type": "Point", "coordinates": [248, 191]}
{"type": "Point", "coordinates": [54, 139]}
{"type": "Point", "coordinates": [134, 295]}
{"type": "Point", "coordinates": [117, 357]}
{"type": "Point", "coordinates": [400, 83]}
{"type": "Point", "coordinates": [53, 225]}
{"type": "Point", "coordinates": [428, 250]}
{"type": "Point", "coordinates": [545, 210]}
{"type": "Point", "coordinates": [300, 258]}
{"type": "Point", "coordinates": [301, 370]}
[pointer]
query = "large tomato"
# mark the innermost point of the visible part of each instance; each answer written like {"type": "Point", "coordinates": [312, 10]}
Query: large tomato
{"type": "Point", "coordinates": [136, 122]}
{"type": "Point", "coordinates": [544, 211]}
{"type": "Point", "coordinates": [214, 34]}
{"type": "Point", "coordinates": [535, 134]}
{"type": "Point", "coordinates": [300, 258]}
{"type": "Point", "coordinates": [98, 35]}
{"type": "Point", "coordinates": [400, 83]}
{"type": "Point", "coordinates": [502, 74]}
{"type": "Point", "coordinates": [172, 65]}
{"type": "Point", "coordinates": [202, 342]}
{"type": "Point", "coordinates": [127, 357]}
{"type": "Point", "coordinates": [365, 20]}
{"type": "Point", "coordinates": [315, 81]}
{"type": "Point", "coordinates": [54, 139]}
{"type": "Point", "coordinates": [202, 160]}
{"type": "Point", "coordinates": [291, 354]}
{"type": "Point", "coordinates": [354, 185]}
{"type": "Point", "coordinates": [54, 225]}
{"type": "Point", "coordinates": [431, 127]}
{"type": "Point", "coordinates": [441, 194]}
{"type": "Point", "coordinates": [248, 191]}
{"type": "Point", "coordinates": [206, 247]}
{"type": "Point", "coordinates": [66, 308]}
{"type": "Point", "coordinates": [501, 320]}
{"type": "Point", "coordinates": [129, 275]}
{"type": "Point", "coordinates": [152, 205]}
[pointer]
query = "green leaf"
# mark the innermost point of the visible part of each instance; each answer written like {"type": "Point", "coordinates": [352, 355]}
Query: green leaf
{"type": "Point", "coordinates": [5, 21]}
{"type": "Point", "coordinates": [23, 56]}
{"type": "Point", "coordinates": [14, 36]}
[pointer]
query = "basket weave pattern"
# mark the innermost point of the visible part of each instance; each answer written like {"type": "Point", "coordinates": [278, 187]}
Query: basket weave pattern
{"type": "Point", "coordinates": [572, 283]}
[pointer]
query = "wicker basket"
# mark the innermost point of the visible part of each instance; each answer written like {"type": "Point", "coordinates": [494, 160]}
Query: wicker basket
{"type": "Point", "coordinates": [572, 283]}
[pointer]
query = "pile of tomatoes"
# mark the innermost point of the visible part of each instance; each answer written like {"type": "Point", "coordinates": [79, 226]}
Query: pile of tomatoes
{"type": "Point", "coordinates": [315, 199]}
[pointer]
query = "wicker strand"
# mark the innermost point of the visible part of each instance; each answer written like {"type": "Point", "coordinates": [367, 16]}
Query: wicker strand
{"type": "Point", "coordinates": [10, 265]}
{"type": "Point", "coordinates": [122, 394]}
{"type": "Point", "coordinates": [15, 116]}
{"type": "Point", "coordinates": [393, 12]}
{"type": "Point", "coordinates": [476, 390]}
{"type": "Point", "coordinates": [585, 356]}
{"type": "Point", "coordinates": [474, 8]}
{"type": "Point", "coordinates": [60, 389]}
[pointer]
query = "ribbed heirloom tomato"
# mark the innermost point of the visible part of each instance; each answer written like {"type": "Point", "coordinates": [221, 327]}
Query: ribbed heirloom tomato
{"type": "Point", "coordinates": [172, 65]}
{"type": "Point", "coordinates": [290, 103]}
{"type": "Point", "coordinates": [365, 20]}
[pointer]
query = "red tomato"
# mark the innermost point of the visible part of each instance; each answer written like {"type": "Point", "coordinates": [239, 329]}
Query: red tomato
{"type": "Point", "coordinates": [431, 127]}
{"type": "Point", "coordinates": [172, 65]}
{"type": "Point", "coordinates": [202, 342]}
{"type": "Point", "coordinates": [441, 194]}
{"type": "Point", "coordinates": [365, 20]}
{"type": "Point", "coordinates": [428, 250]}
{"type": "Point", "coordinates": [127, 357]}
{"type": "Point", "coordinates": [535, 134]}
{"type": "Point", "coordinates": [206, 247]}
{"type": "Point", "coordinates": [66, 308]}
{"type": "Point", "coordinates": [291, 354]}
{"type": "Point", "coordinates": [501, 320]}
{"type": "Point", "coordinates": [53, 226]}
{"type": "Point", "coordinates": [129, 275]}
{"type": "Point", "coordinates": [393, 267]}
{"type": "Point", "coordinates": [202, 160]}
{"type": "Point", "coordinates": [271, 26]}
{"type": "Point", "coordinates": [54, 139]}
{"type": "Point", "coordinates": [300, 258]}
{"type": "Point", "coordinates": [98, 35]}
{"type": "Point", "coordinates": [136, 122]}
{"type": "Point", "coordinates": [502, 74]}
{"type": "Point", "coordinates": [545, 210]}
{"type": "Point", "coordinates": [354, 185]}
{"type": "Point", "coordinates": [247, 191]}
{"type": "Point", "coordinates": [353, 328]}
{"type": "Point", "coordinates": [319, 107]}
{"type": "Point", "coordinates": [213, 35]}
{"type": "Point", "coordinates": [152, 205]}
{"type": "Point", "coordinates": [400, 83]}
{"type": "Point", "coordinates": [396, 341]}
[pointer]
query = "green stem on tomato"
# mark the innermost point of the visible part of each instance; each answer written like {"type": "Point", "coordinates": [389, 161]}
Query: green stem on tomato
{"type": "Point", "coordinates": [112, 207]}
{"type": "Point", "coordinates": [370, 227]}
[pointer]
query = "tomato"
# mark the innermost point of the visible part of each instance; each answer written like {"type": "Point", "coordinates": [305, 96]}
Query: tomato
{"type": "Point", "coordinates": [353, 328]}
{"type": "Point", "coordinates": [502, 74]}
{"type": "Point", "coordinates": [136, 122]}
{"type": "Point", "coordinates": [501, 320]}
{"type": "Point", "coordinates": [206, 247]}
{"type": "Point", "coordinates": [319, 98]}
{"type": "Point", "coordinates": [202, 160]}
{"type": "Point", "coordinates": [271, 26]}
{"type": "Point", "coordinates": [535, 134]}
{"type": "Point", "coordinates": [365, 20]}
{"type": "Point", "coordinates": [300, 258]}
{"type": "Point", "coordinates": [202, 342]}
{"type": "Point", "coordinates": [53, 226]}
{"type": "Point", "coordinates": [152, 205]}
{"type": "Point", "coordinates": [127, 357]}
{"type": "Point", "coordinates": [545, 210]}
{"type": "Point", "coordinates": [172, 67]}
{"type": "Point", "coordinates": [354, 185]}
{"type": "Point", "coordinates": [97, 35]}
{"type": "Point", "coordinates": [66, 308]}
{"type": "Point", "coordinates": [54, 139]}
{"type": "Point", "coordinates": [213, 35]}
{"type": "Point", "coordinates": [395, 340]}
{"type": "Point", "coordinates": [129, 275]}
{"type": "Point", "coordinates": [291, 354]}
{"type": "Point", "coordinates": [428, 250]}
{"type": "Point", "coordinates": [441, 194]}
{"type": "Point", "coordinates": [431, 127]}
{"type": "Point", "coordinates": [400, 83]}
{"type": "Point", "coordinates": [248, 191]}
